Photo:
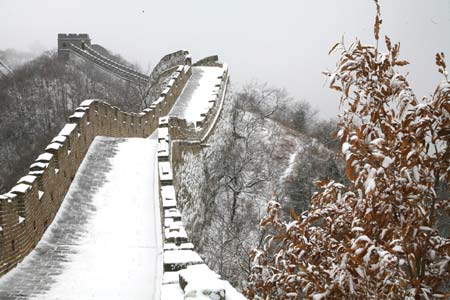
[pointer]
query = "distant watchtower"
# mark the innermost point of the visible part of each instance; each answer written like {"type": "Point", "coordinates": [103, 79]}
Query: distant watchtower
{"type": "Point", "coordinates": [64, 41]}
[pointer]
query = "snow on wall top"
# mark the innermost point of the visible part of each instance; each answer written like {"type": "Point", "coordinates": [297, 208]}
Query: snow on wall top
{"type": "Point", "coordinates": [193, 101]}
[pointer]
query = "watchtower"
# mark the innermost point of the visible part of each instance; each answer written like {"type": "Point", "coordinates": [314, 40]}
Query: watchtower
{"type": "Point", "coordinates": [64, 41]}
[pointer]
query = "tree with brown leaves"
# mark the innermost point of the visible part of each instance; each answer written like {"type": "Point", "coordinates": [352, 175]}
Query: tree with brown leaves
{"type": "Point", "coordinates": [376, 238]}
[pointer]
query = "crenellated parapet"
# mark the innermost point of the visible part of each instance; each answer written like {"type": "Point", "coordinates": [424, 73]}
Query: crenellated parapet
{"type": "Point", "coordinates": [80, 45]}
{"type": "Point", "coordinates": [163, 68]}
{"type": "Point", "coordinates": [65, 40]}
{"type": "Point", "coordinates": [180, 129]}
{"type": "Point", "coordinates": [31, 205]}
{"type": "Point", "coordinates": [185, 273]}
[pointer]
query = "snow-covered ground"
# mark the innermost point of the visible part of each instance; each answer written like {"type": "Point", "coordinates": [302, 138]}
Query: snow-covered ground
{"type": "Point", "coordinates": [196, 94]}
{"type": "Point", "coordinates": [106, 240]}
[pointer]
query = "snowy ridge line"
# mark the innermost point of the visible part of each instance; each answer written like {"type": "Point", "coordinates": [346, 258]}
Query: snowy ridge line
{"type": "Point", "coordinates": [186, 276]}
{"type": "Point", "coordinates": [112, 68]}
{"type": "Point", "coordinates": [30, 206]}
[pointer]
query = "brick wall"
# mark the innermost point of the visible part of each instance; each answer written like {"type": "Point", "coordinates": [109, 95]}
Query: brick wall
{"type": "Point", "coordinates": [28, 209]}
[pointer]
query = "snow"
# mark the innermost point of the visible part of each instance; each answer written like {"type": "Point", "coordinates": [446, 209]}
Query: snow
{"type": "Point", "coordinates": [172, 213]}
{"type": "Point", "coordinates": [370, 181]}
{"type": "Point", "coordinates": [182, 257]}
{"type": "Point", "coordinates": [27, 179]}
{"type": "Point", "coordinates": [163, 133]}
{"type": "Point", "coordinates": [320, 296]}
{"type": "Point", "coordinates": [171, 292]}
{"type": "Point", "coordinates": [290, 168]}
{"type": "Point", "coordinates": [165, 171]}
{"type": "Point", "coordinates": [163, 148]}
{"type": "Point", "coordinates": [168, 196]}
{"type": "Point", "coordinates": [59, 139]}
{"type": "Point", "coordinates": [195, 96]}
{"type": "Point", "coordinates": [53, 146]}
{"type": "Point", "coordinates": [38, 165]}
{"type": "Point", "coordinates": [176, 233]}
{"type": "Point", "coordinates": [45, 157]}
{"type": "Point", "coordinates": [171, 277]}
{"type": "Point", "coordinates": [77, 115]}
{"type": "Point", "coordinates": [119, 257]}
{"type": "Point", "coordinates": [387, 161]}
{"type": "Point", "coordinates": [164, 121]}
{"type": "Point", "coordinates": [345, 147]}
{"type": "Point", "coordinates": [67, 129]}
{"type": "Point", "coordinates": [232, 293]}
{"type": "Point", "coordinates": [37, 172]}
{"type": "Point", "coordinates": [202, 283]}
{"type": "Point", "coordinates": [182, 246]}
{"type": "Point", "coordinates": [20, 188]}
{"type": "Point", "coordinates": [201, 275]}
{"type": "Point", "coordinates": [205, 288]}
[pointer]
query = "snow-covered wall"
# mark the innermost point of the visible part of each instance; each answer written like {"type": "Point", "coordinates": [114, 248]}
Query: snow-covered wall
{"type": "Point", "coordinates": [186, 276]}
{"type": "Point", "coordinates": [28, 209]}
{"type": "Point", "coordinates": [180, 129]}
{"type": "Point", "coordinates": [80, 45]}
{"type": "Point", "coordinates": [107, 64]}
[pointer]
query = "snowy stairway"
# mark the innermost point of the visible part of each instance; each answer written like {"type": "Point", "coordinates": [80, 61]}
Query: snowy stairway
{"type": "Point", "coordinates": [199, 94]}
{"type": "Point", "coordinates": [105, 242]}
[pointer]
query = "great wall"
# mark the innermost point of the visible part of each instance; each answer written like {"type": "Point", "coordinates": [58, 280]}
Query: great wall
{"type": "Point", "coordinates": [30, 207]}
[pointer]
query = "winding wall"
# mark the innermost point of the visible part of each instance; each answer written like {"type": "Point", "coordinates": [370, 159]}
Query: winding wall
{"type": "Point", "coordinates": [28, 209]}
{"type": "Point", "coordinates": [108, 64]}
{"type": "Point", "coordinates": [185, 273]}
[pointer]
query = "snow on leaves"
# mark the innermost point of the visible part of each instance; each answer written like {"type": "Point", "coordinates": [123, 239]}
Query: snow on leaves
{"type": "Point", "coordinates": [375, 238]}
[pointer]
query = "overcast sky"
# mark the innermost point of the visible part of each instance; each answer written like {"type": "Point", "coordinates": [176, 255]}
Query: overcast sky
{"type": "Point", "coordinates": [283, 43]}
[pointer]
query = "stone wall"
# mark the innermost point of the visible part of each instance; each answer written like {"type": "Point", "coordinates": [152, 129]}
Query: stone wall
{"type": "Point", "coordinates": [185, 273]}
{"type": "Point", "coordinates": [64, 41]}
{"type": "Point", "coordinates": [109, 65]}
{"type": "Point", "coordinates": [130, 71]}
{"type": "Point", "coordinates": [28, 209]}
{"type": "Point", "coordinates": [212, 60]}
{"type": "Point", "coordinates": [187, 137]}
{"type": "Point", "coordinates": [165, 66]}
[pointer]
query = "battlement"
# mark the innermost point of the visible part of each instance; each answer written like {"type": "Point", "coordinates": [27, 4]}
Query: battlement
{"type": "Point", "coordinates": [73, 36]}
{"type": "Point", "coordinates": [65, 40]}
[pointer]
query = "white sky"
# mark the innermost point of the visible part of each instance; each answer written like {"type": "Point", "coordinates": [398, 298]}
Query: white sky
{"type": "Point", "coordinates": [284, 43]}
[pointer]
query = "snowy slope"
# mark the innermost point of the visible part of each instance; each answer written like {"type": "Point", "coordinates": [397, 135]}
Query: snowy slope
{"type": "Point", "coordinates": [105, 242]}
{"type": "Point", "coordinates": [249, 159]}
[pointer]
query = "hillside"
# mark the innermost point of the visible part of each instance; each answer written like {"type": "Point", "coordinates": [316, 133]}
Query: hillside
{"type": "Point", "coordinates": [37, 100]}
{"type": "Point", "coordinates": [224, 192]}
{"type": "Point", "coordinates": [14, 58]}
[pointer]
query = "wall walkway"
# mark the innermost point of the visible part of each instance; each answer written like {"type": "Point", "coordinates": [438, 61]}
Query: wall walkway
{"type": "Point", "coordinates": [109, 217]}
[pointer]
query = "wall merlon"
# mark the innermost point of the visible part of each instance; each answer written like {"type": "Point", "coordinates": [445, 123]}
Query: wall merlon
{"type": "Point", "coordinates": [73, 35]}
{"type": "Point", "coordinates": [44, 157]}
{"type": "Point", "coordinates": [27, 179]}
{"type": "Point", "coordinates": [20, 188]}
